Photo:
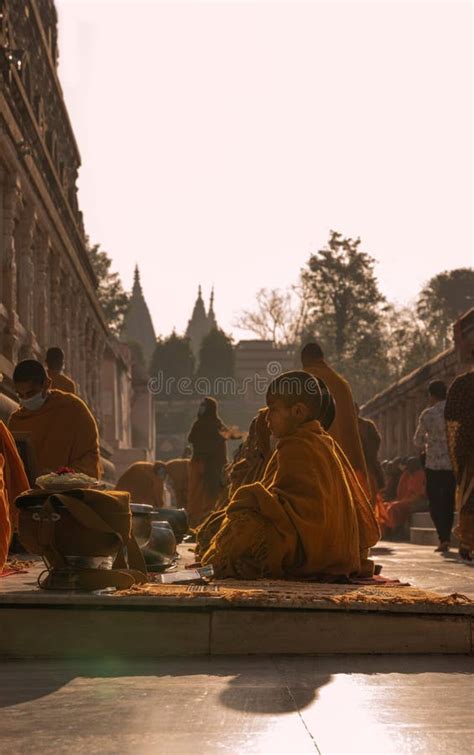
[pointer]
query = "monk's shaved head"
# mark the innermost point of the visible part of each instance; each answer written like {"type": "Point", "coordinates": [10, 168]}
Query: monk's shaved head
{"type": "Point", "coordinates": [55, 358]}
{"type": "Point", "coordinates": [297, 387]}
{"type": "Point", "coordinates": [311, 353]}
{"type": "Point", "coordinates": [30, 371]}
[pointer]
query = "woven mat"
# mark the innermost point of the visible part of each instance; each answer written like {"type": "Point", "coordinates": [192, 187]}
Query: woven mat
{"type": "Point", "coordinates": [17, 566]}
{"type": "Point", "coordinates": [296, 594]}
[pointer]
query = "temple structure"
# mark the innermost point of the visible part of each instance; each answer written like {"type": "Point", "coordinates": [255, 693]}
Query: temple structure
{"type": "Point", "coordinates": [47, 285]}
{"type": "Point", "coordinates": [138, 326]}
{"type": "Point", "coordinates": [395, 411]}
{"type": "Point", "coordinates": [201, 323]}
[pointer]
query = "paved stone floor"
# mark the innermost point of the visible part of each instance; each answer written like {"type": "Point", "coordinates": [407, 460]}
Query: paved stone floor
{"type": "Point", "coordinates": [265, 704]}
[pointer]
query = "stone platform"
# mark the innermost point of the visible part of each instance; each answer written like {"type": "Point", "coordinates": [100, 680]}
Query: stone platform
{"type": "Point", "coordinates": [265, 618]}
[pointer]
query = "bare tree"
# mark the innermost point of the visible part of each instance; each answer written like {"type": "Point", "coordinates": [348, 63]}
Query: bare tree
{"type": "Point", "coordinates": [280, 315]}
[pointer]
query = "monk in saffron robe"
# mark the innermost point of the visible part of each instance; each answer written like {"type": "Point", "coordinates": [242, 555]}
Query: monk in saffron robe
{"type": "Point", "coordinates": [63, 431]}
{"type": "Point", "coordinates": [55, 367]}
{"type": "Point", "coordinates": [177, 473]}
{"type": "Point", "coordinates": [308, 517]}
{"type": "Point", "coordinates": [345, 429]}
{"type": "Point", "coordinates": [208, 439]}
{"type": "Point", "coordinates": [144, 480]}
{"type": "Point", "coordinates": [14, 475]}
{"type": "Point", "coordinates": [411, 490]}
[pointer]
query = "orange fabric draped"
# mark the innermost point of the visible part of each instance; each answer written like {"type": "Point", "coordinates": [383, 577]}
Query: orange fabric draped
{"type": "Point", "coordinates": [345, 428]}
{"type": "Point", "coordinates": [5, 528]}
{"type": "Point", "coordinates": [61, 382]}
{"type": "Point", "coordinates": [411, 488]}
{"type": "Point", "coordinates": [143, 484]}
{"type": "Point", "coordinates": [308, 516]}
{"type": "Point", "coordinates": [15, 479]}
{"type": "Point", "coordinates": [178, 472]}
{"type": "Point", "coordinates": [201, 500]}
{"type": "Point", "coordinates": [63, 434]}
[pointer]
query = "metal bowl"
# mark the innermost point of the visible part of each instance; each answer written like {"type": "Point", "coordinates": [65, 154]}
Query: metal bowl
{"type": "Point", "coordinates": [177, 518]}
{"type": "Point", "coordinates": [161, 547]}
{"type": "Point", "coordinates": [141, 522]}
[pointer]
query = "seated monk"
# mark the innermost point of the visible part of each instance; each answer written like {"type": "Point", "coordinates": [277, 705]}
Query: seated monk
{"type": "Point", "coordinates": [55, 367]}
{"type": "Point", "coordinates": [308, 516]}
{"type": "Point", "coordinates": [144, 480]}
{"type": "Point", "coordinates": [252, 463]}
{"type": "Point", "coordinates": [14, 476]}
{"type": "Point", "coordinates": [411, 490]}
{"type": "Point", "coordinates": [62, 429]}
{"type": "Point", "coordinates": [177, 474]}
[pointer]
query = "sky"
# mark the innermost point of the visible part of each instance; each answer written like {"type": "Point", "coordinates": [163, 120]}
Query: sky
{"type": "Point", "coordinates": [221, 142]}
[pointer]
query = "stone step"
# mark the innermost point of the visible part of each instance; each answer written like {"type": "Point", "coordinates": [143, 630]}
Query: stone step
{"type": "Point", "coordinates": [423, 519]}
{"type": "Point", "coordinates": [423, 536]}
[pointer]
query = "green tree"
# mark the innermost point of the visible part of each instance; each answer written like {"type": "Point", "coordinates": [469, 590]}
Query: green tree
{"type": "Point", "coordinates": [443, 299]}
{"type": "Point", "coordinates": [110, 292]}
{"type": "Point", "coordinates": [172, 360]}
{"type": "Point", "coordinates": [216, 357]}
{"type": "Point", "coordinates": [409, 342]}
{"type": "Point", "coordinates": [346, 313]}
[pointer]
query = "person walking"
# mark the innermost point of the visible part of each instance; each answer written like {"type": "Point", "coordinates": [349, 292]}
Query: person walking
{"type": "Point", "coordinates": [431, 436]}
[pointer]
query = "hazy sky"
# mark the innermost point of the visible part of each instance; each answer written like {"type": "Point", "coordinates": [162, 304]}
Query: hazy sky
{"type": "Point", "coordinates": [221, 141]}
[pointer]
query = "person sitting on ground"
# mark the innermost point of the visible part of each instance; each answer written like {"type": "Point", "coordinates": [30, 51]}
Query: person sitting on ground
{"type": "Point", "coordinates": [345, 428]}
{"type": "Point", "coordinates": [411, 491]}
{"type": "Point", "coordinates": [55, 367]}
{"type": "Point", "coordinates": [144, 480]}
{"type": "Point", "coordinates": [177, 475]}
{"type": "Point", "coordinates": [308, 516]}
{"type": "Point", "coordinates": [63, 431]}
{"type": "Point", "coordinates": [393, 472]}
{"type": "Point", "coordinates": [14, 475]}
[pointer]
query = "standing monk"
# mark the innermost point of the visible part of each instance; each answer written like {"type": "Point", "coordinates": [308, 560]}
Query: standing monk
{"type": "Point", "coordinates": [344, 429]}
{"type": "Point", "coordinates": [209, 458]}
{"type": "Point", "coordinates": [371, 441]}
{"type": "Point", "coordinates": [55, 365]}
{"type": "Point", "coordinates": [63, 431]}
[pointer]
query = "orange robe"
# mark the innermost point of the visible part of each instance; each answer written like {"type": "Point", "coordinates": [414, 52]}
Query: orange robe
{"type": "Point", "coordinates": [345, 428]}
{"type": "Point", "coordinates": [15, 479]}
{"type": "Point", "coordinates": [307, 517]}
{"type": "Point", "coordinates": [61, 382]}
{"type": "Point", "coordinates": [411, 488]}
{"type": "Point", "coordinates": [178, 472]}
{"type": "Point", "coordinates": [63, 434]}
{"type": "Point", "coordinates": [5, 527]}
{"type": "Point", "coordinates": [143, 484]}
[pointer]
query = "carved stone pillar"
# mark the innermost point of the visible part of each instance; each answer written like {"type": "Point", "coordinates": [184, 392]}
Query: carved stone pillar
{"type": "Point", "coordinates": [73, 364]}
{"type": "Point", "coordinates": [81, 350]}
{"type": "Point", "coordinates": [41, 298]}
{"type": "Point", "coordinates": [66, 305]}
{"type": "Point", "coordinates": [55, 301]}
{"type": "Point", "coordinates": [26, 269]}
{"type": "Point", "coordinates": [11, 204]}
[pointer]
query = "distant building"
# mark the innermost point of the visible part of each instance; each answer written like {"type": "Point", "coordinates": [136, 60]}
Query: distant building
{"type": "Point", "coordinates": [201, 323]}
{"type": "Point", "coordinates": [138, 326]}
{"type": "Point", "coordinates": [257, 362]}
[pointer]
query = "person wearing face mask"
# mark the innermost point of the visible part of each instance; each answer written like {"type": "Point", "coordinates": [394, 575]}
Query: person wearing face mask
{"type": "Point", "coordinates": [63, 431]}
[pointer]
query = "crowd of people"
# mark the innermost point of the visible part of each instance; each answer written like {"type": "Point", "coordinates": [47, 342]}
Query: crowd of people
{"type": "Point", "coordinates": [305, 494]}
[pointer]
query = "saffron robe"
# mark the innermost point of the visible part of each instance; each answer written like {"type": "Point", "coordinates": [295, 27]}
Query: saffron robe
{"type": "Point", "coordinates": [345, 428]}
{"type": "Point", "coordinates": [143, 484]}
{"type": "Point", "coordinates": [61, 382]}
{"type": "Point", "coordinates": [411, 489]}
{"type": "Point", "coordinates": [5, 527]}
{"type": "Point", "coordinates": [308, 517]}
{"type": "Point", "coordinates": [63, 434]}
{"type": "Point", "coordinates": [178, 473]}
{"type": "Point", "coordinates": [371, 441]}
{"type": "Point", "coordinates": [15, 479]}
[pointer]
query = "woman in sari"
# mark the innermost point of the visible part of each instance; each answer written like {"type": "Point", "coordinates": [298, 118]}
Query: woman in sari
{"type": "Point", "coordinates": [459, 415]}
